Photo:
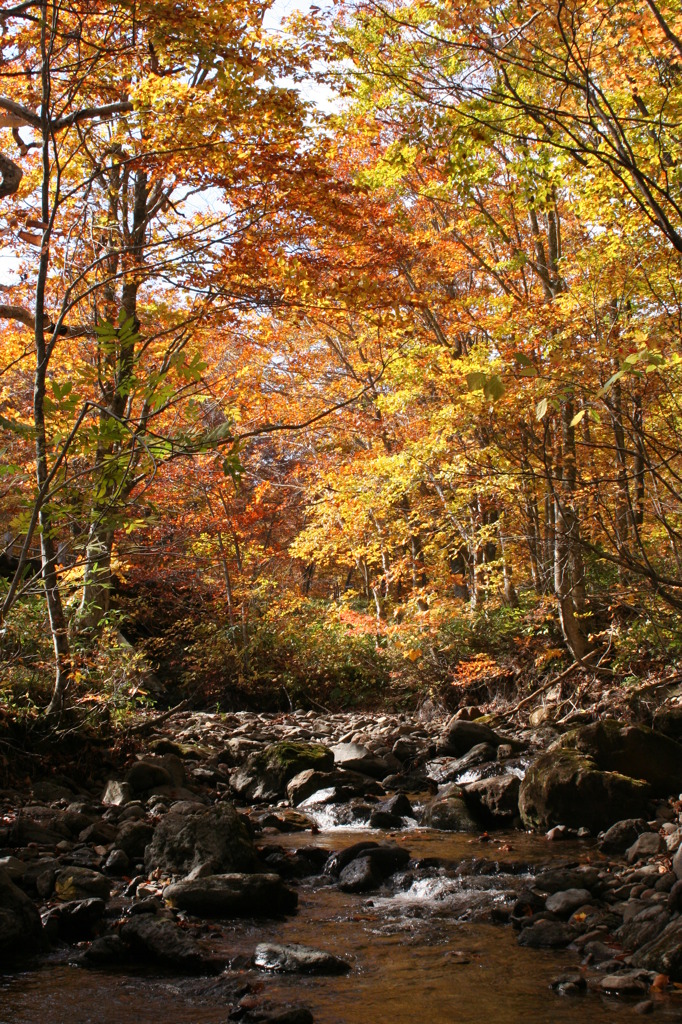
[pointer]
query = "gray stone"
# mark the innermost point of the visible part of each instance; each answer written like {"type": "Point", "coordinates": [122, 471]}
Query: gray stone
{"type": "Point", "coordinates": [148, 774]}
{"type": "Point", "coordinates": [355, 757]}
{"type": "Point", "coordinates": [495, 799]}
{"type": "Point", "coordinates": [629, 983]}
{"type": "Point", "coordinates": [449, 813]}
{"type": "Point", "coordinates": [161, 941]}
{"type": "Point", "coordinates": [75, 883]}
{"type": "Point", "coordinates": [232, 895]}
{"type": "Point", "coordinates": [646, 921]}
{"type": "Point", "coordinates": [544, 934]}
{"type": "Point", "coordinates": [631, 750]}
{"type": "Point", "coordinates": [677, 863]}
{"type": "Point", "coordinates": [133, 838]}
{"type": "Point", "coordinates": [361, 875]}
{"type": "Point", "coordinates": [565, 903]}
{"type": "Point", "coordinates": [295, 959]}
{"type": "Point", "coordinates": [566, 787]}
{"type": "Point", "coordinates": [663, 953]}
{"type": "Point", "coordinates": [649, 844]}
{"type": "Point", "coordinates": [117, 793]}
{"type": "Point", "coordinates": [622, 835]}
{"type": "Point", "coordinates": [77, 920]}
{"type": "Point", "coordinates": [460, 736]}
{"type": "Point", "coordinates": [217, 837]}
{"type": "Point", "coordinates": [266, 773]}
{"type": "Point", "coordinates": [13, 867]}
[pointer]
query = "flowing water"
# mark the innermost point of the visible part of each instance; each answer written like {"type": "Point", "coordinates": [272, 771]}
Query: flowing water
{"type": "Point", "coordinates": [421, 954]}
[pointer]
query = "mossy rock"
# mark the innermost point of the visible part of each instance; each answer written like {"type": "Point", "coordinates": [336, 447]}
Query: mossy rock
{"type": "Point", "coordinates": [632, 750]}
{"type": "Point", "coordinates": [267, 772]}
{"type": "Point", "coordinates": [564, 786]}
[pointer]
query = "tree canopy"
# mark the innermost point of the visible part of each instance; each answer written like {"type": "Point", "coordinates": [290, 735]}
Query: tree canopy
{"type": "Point", "coordinates": [356, 381]}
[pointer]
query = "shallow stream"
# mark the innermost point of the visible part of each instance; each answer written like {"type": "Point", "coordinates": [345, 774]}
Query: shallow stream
{"type": "Point", "coordinates": [422, 954]}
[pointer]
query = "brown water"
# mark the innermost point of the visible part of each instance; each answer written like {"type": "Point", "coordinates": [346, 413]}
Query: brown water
{"type": "Point", "coordinates": [418, 956]}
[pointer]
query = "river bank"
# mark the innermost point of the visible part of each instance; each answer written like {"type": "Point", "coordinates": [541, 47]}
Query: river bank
{"type": "Point", "coordinates": [330, 867]}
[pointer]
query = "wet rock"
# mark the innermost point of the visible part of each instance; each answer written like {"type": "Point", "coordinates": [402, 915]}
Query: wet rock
{"type": "Point", "coordinates": [494, 800]}
{"type": "Point", "coordinates": [449, 813]}
{"type": "Point", "coordinates": [565, 903]}
{"type": "Point", "coordinates": [364, 866]}
{"type": "Point", "coordinates": [161, 941]}
{"type": "Point", "coordinates": [361, 875]}
{"type": "Point", "coordinates": [232, 895]}
{"type": "Point", "coordinates": [295, 959]}
{"type": "Point", "coordinates": [546, 934]}
{"type": "Point", "coordinates": [385, 820]}
{"type": "Point", "coordinates": [569, 984]}
{"type": "Point", "coordinates": [337, 861]}
{"type": "Point", "coordinates": [459, 736]}
{"type": "Point", "coordinates": [649, 844]}
{"type": "Point", "coordinates": [191, 837]}
{"type": "Point", "coordinates": [276, 1015]}
{"type": "Point", "coordinates": [355, 757]}
{"type": "Point", "coordinates": [663, 953]}
{"type": "Point", "coordinates": [266, 773]}
{"type": "Point", "coordinates": [622, 835]}
{"type": "Point", "coordinates": [21, 930]}
{"type": "Point", "coordinates": [284, 820]}
{"type": "Point", "coordinates": [565, 787]}
{"type": "Point", "coordinates": [629, 983]}
{"type": "Point", "coordinates": [307, 782]}
{"type": "Point", "coordinates": [76, 883]}
{"type": "Point", "coordinates": [105, 951]}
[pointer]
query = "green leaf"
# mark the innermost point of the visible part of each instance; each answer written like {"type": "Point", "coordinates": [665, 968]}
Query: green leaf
{"type": "Point", "coordinates": [611, 381]}
{"type": "Point", "coordinates": [494, 388]}
{"type": "Point", "coordinates": [476, 381]}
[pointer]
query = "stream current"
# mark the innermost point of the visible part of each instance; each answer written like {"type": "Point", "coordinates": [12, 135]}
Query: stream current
{"type": "Point", "coordinates": [423, 953]}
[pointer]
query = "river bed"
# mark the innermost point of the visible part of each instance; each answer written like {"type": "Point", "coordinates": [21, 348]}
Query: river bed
{"type": "Point", "coordinates": [423, 953]}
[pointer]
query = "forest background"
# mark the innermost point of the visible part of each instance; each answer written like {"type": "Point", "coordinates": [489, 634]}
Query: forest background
{"type": "Point", "coordinates": [359, 401]}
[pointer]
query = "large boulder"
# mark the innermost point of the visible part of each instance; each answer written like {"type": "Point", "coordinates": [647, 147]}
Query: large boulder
{"type": "Point", "coordinates": [663, 953]}
{"type": "Point", "coordinates": [494, 800]}
{"type": "Point", "coordinates": [566, 787]}
{"type": "Point", "coordinates": [449, 812]}
{"type": "Point", "coordinates": [216, 839]}
{"type": "Point", "coordinates": [459, 737]}
{"type": "Point", "coordinates": [631, 750]}
{"type": "Point", "coordinates": [232, 895]}
{"type": "Point", "coordinates": [266, 772]}
{"type": "Point", "coordinates": [21, 930]}
{"type": "Point", "coordinates": [161, 941]}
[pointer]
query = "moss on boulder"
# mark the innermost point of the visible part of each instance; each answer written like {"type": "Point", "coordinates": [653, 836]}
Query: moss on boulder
{"type": "Point", "coordinates": [267, 772]}
{"type": "Point", "coordinates": [564, 786]}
